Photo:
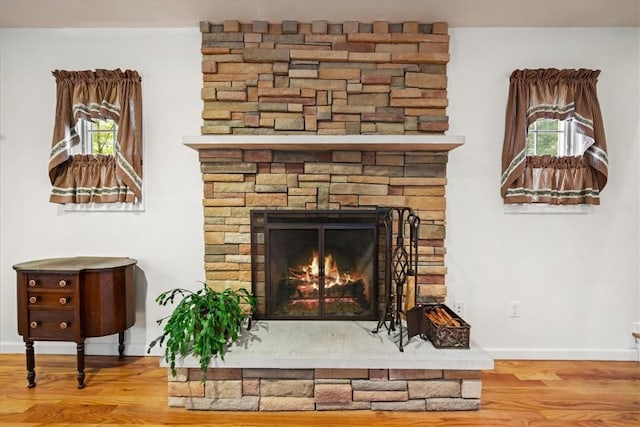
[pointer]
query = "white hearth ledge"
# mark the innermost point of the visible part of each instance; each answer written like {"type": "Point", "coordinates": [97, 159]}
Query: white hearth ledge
{"type": "Point", "coordinates": [406, 143]}
{"type": "Point", "coordinates": [310, 344]}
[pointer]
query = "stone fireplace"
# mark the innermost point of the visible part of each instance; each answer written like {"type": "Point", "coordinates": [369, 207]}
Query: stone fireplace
{"type": "Point", "coordinates": [310, 130]}
{"type": "Point", "coordinates": [296, 195]}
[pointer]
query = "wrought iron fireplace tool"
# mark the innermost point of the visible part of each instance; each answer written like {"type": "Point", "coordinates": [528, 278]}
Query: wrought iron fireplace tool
{"type": "Point", "coordinates": [400, 264]}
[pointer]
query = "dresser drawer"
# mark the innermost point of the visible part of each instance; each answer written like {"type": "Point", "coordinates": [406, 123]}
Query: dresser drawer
{"type": "Point", "coordinates": [51, 281]}
{"type": "Point", "coordinates": [52, 324]}
{"type": "Point", "coordinates": [51, 299]}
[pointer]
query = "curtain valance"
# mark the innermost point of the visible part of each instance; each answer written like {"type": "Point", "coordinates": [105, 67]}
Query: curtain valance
{"type": "Point", "coordinates": [562, 95]}
{"type": "Point", "coordinates": [93, 95]}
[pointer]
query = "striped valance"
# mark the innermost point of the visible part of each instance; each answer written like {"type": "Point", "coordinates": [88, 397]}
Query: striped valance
{"type": "Point", "coordinates": [555, 181]}
{"type": "Point", "coordinates": [90, 179]}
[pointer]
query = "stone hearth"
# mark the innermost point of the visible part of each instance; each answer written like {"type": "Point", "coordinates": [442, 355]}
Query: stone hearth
{"type": "Point", "coordinates": [331, 365]}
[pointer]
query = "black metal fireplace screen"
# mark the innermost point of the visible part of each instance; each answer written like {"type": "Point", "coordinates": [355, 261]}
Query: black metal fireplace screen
{"type": "Point", "coordinates": [316, 264]}
{"type": "Point", "coordinates": [334, 264]}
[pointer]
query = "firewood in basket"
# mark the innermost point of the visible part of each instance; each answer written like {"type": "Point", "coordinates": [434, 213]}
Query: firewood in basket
{"type": "Point", "coordinates": [448, 318]}
{"type": "Point", "coordinates": [435, 319]}
{"type": "Point", "coordinates": [440, 317]}
{"type": "Point", "coordinates": [443, 317]}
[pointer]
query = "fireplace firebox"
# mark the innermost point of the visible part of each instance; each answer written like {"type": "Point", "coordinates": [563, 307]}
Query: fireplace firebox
{"type": "Point", "coordinates": [316, 264]}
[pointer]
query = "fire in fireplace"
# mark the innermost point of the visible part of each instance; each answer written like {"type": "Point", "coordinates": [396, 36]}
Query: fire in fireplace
{"type": "Point", "coordinates": [300, 285]}
{"type": "Point", "coordinates": [317, 264]}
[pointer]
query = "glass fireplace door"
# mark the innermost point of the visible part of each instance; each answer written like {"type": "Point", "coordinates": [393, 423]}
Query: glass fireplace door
{"type": "Point", "coordinates": [294, 282]}
{"type": "Point", "coordinates": [321, 271]}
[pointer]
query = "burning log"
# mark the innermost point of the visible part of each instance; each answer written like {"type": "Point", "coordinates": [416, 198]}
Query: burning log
{"type": "Point", "coordinates": [303, 284]}
{"type": "Point", "coordinates": [302, 276]}
{"type": "Point", "coordinates": [351, 288]}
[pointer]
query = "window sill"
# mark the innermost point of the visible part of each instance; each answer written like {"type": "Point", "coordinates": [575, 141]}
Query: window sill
{"type": "Point", "coordinates": [538, 208]}
{"type": "Point", "coordinates": [103, 207]}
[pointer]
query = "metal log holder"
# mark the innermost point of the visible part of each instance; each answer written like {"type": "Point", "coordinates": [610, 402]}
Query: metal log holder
{"type": "Point", "coordinates": [401, 262]}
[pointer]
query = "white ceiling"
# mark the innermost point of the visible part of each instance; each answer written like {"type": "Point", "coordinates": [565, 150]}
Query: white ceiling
{"type": "Point", "coordinates": [188, 13]}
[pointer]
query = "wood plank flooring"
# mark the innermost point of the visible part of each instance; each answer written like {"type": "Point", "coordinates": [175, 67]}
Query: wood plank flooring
{"type": "Point", "coordinates": [133, 391]}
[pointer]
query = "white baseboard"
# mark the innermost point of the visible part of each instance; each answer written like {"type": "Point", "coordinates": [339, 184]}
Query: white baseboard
{"type": "Point", "coordinates": [93, 349]}
{"type": "Point", "coordinates": [629, 354]}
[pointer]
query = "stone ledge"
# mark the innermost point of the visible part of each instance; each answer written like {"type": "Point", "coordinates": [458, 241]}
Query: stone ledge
{"type": "Point", "coordinates": [287, 345]}
{"type": "Point", "coordinates": [392, 143]}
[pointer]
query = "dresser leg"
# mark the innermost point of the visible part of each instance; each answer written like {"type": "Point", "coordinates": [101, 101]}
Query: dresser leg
{"type": "Point", "coordinates": [80, 356]}
{"type": "Point", "coordinates": [31, 364]}
{"type": "Point", "coordinates": [121, 344]}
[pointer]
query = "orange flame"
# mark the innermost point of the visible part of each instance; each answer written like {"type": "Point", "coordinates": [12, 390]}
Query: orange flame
{"type": "Point", "coordinates": [332, 275]}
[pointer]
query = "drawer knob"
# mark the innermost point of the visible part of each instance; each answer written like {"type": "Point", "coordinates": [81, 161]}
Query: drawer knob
{"type": "Point", "coordinates": [34, 324]}
{"type": "Point", "coordinates": [32, 283]}
{"type": "Point", "coordinates": [63, 300]}
{"type": "Point", "coordinates": [64, 325]}
{"type": "Point", "coordinates": [33, 300]}
{"type": "Point", "coordinates": [62, 283]}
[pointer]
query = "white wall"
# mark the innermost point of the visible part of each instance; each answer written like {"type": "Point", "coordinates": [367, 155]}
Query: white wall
{"type": "Point", "coordinates": [578, 302]}
{"type": "Point", "coordinates": [167, 238]}
{"type": "Point", "coordinates": [576, 276]}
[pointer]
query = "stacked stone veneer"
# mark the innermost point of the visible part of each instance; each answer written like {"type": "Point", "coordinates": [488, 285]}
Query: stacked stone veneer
{"type": "Point", "coordinates": [237, 181]}
{"type": "Point", "coordinates": [325, 79]}
{"type": "Point", "coordinates": [325, 389]}
{"type": "Point", "coordinates": [319, 78]}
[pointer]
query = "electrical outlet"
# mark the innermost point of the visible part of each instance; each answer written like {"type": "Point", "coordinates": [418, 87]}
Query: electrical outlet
{"type": "Point", "coordinates": [458, 307]}
{"type": "Point", "coordinates": [514, 308]}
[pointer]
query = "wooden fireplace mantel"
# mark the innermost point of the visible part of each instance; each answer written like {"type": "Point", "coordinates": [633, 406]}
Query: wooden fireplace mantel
{"type": "Point", "coordinates": [406, 143]}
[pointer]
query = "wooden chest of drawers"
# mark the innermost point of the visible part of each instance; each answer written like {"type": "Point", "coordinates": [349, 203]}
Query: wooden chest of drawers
{"type": "Point", "coordinates": [52, 307]}
{"type": "Point", "coordinates": [70, 299]}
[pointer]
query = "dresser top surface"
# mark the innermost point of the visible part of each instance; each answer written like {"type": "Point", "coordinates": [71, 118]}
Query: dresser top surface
{"type": "Point", "coordinates": [74, 263]}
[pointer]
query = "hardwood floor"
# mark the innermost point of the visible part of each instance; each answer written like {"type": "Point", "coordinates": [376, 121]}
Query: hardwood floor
{"type": "Point", "coordinates": [133, 391]}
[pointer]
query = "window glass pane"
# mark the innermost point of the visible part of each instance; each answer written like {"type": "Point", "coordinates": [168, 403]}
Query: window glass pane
{"type": "Point", "coordinates": [542, 138]}
{"type": "Point", "coordinates": [547, 144]}
{"type": "Point", "coordinates": [530, 148]}
{"type": "Point", "coordinates": [547, 125]}
{"type": "Point", "coordinates": [102, 136]}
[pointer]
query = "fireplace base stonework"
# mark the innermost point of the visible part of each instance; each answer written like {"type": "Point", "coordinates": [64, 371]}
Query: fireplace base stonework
{"type": "Point", "coordinates": [331, 365]}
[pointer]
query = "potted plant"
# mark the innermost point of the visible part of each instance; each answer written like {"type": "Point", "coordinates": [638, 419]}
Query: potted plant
{"type": "Point", "coordinates": [203, 323]}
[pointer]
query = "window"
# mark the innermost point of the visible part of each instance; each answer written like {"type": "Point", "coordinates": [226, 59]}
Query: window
{"type": "Point", "coordinates": [97, 137]}
{"type": "Point", "coordinates": [554, 150]}
{"type": "Point", "coordinates": [552, 137]}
